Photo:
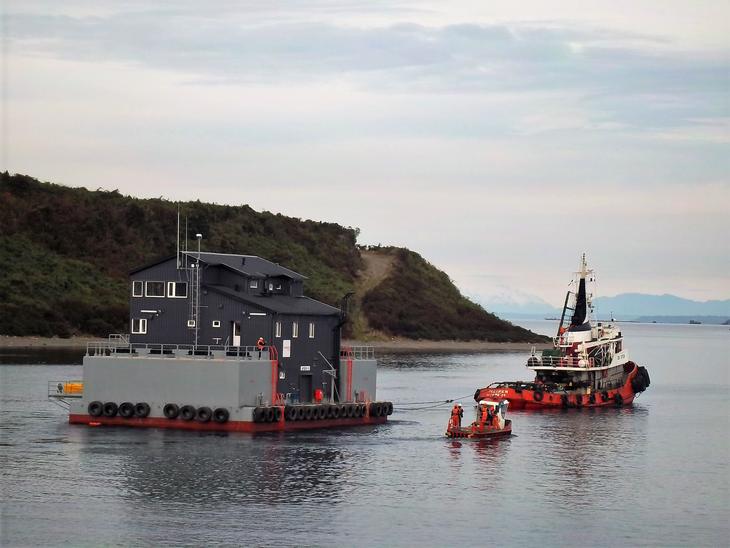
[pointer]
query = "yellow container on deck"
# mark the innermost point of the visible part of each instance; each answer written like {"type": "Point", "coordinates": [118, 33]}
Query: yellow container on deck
{"type": "Point", "coordinates": [73, 388]}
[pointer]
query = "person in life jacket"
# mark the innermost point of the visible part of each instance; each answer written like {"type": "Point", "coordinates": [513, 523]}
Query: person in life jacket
{"type": "Point", "coordinates": [484, 415]}
{"type": "Point", "coordinates": [456, 413]}
{"type": "Point", "coordinates": [261, 343]}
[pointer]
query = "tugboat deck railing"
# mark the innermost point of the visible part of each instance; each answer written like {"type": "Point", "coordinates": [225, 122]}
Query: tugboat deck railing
{"type": "Point", "coordinates": [117, 349]}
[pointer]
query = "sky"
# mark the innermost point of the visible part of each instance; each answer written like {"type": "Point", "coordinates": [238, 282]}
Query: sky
{"type": "Point", "coordinates": [498, 139]}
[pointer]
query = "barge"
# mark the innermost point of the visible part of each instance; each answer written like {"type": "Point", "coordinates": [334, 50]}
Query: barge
{"type": "Point", "coordinates": [225, 342]}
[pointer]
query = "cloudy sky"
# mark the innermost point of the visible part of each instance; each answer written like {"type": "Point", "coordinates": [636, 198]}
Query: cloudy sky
{"type": "Point", "coordinates": [498, 139]}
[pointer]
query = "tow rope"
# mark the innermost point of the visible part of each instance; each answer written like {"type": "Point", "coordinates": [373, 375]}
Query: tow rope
{"type": "Point", "coordinates": [429, 404]}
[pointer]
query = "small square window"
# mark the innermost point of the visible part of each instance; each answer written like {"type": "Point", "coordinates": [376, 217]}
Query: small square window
{"type": "Point", "coordinates": [191, 323]}
{"type": "Point", "coordinates": [154, 289]}
{"type": "Point", "coordinates": [277, 332]}
{"type": "Point", "coordinates": [294, 330]}
{"type": "Point", "coordinates": [216, 323]}
{"type": "Point", "coordinates": [177, 290]}
{"type": "Point", "coordinates": [139, 326]}
{"type": "Point", "coordinates": [254, 284]}
{"type": "Point", "coordinates": [311, 330]}
{"type": "Point", "coordinates": [137, 289]}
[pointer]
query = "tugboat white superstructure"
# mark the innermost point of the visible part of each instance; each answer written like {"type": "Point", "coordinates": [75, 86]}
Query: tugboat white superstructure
{"type": "Point", "coordinates": [588, 365]}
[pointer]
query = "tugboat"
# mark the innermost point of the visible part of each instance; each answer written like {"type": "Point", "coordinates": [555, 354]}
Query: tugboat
{"type": "Point", "coordinates": [228, 343]}
{"type": "Point", "coordinates": [490, 421]}
{"type": "Point", "coordinates": [588, 365]}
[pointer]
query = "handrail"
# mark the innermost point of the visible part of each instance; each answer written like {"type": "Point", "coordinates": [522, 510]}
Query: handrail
{"type": "Point", "coordinates": [562, 361]}
{"type": "Point", "coordinates": [188, 351]}
{"type": "Point", "coordinates": [66, 389]}
{"type": "Point", "coordinates": [358, 352]}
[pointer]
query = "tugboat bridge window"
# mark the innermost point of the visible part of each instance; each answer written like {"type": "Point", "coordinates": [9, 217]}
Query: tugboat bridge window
{"type": "Point", "coordinates": [278, 329]}
{"type": "Point", "coordinates": [311, 330]}
{"type": "Point", "coordinates": [177, 290]}
{"type": "Point", "coordinates": [154, 289]}
{"type": "Point", "coordinates": [254, 284]}
{"type": "Point", "coordinates": [137, 289]}
{"type": "Point", "coordinates": [139, 326]}
{"type": "Point", "coordinates": [294, 330]}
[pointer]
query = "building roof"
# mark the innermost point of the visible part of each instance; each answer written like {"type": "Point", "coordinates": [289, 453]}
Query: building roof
{"type": "Point", "coordinates": [279, 303]}
{"type": "Point", "coordinates": [248, 265]}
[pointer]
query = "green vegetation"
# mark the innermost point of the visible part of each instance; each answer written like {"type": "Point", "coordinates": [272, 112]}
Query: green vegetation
{"type": "Point", "coordinates": [418, 301]}
{"type": "Point", "coordinates": [66, 253]}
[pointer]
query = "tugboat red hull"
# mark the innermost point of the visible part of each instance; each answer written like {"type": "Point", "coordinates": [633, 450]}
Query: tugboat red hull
{"type": "Point", "coordinates": [231, 426]}
{"type": "Point", "coordinates": [529, 396]}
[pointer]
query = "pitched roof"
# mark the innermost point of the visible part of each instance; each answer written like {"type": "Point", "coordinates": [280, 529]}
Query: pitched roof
{"type": "Point", "coordinates": [248, 265]}
{"type": "Point", "coordinates": [279, 303]}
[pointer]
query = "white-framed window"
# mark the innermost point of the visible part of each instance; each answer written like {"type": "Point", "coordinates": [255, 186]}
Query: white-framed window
{"type": "Point", "coordinates": [139, 326]}
{"type": "Point", "coordinates": [277, 329]}
{"type": "Point", "coordinates": [177, 290]}
{"type": "Point", "coordinates": [154, 289]}
{"type": "Point", "coordinates": [191, 323]}
{"type": "Point", "coordinates": [294, 330]}
{"type": "Point", "coordinates": [253, 284]}
{"type": "Point", "coordinates": [216, 323]}
{"type": "Point", "coordinates": [138, 288]}
{"type": "Point", "coordinates": [311, 330]}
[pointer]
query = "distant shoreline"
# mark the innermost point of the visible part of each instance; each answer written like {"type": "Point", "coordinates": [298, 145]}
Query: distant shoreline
{"type": "Point", "coordinates": [397, 345]}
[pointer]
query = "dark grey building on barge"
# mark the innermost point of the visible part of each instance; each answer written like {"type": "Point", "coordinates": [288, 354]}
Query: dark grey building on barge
{"type": "Point", "coordinates": [223, 300]}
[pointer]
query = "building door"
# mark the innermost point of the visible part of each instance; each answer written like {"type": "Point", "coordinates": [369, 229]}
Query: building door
{"type": "Point", "coordinates": [236, 334]}
{"type": "Point", "coordinates": [305, 388]}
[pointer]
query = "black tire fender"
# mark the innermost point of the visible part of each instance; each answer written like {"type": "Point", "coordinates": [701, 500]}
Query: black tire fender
{"type": "Point", "coordinates": [290, 413]}
{"type": "Point", "coordinates": [142, 410]}
{"type": "Point", "coordinates": [187, 412]}
{"type": "Point", "coordinates": [171, 410]}
{"type": "Point", "coordinates": [203, 414]}
{"type": "Point", "coordinates": [126, 410]}
{"type": "Point", "coordinates": [110, 409]}
{"type": "Point", "coordinates": [221, 415]}
{"type": "Point", "coordinates": [95, 408]}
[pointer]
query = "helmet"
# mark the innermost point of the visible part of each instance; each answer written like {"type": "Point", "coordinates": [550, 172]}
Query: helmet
{"type": "Point", "coordinates": [482, 402]}
{"type": "Point", "coordinates": [458, 405]}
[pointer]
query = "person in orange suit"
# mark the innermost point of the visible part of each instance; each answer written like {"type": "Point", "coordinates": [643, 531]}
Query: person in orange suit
{"type": "Point", "coordinates": [456, 414]}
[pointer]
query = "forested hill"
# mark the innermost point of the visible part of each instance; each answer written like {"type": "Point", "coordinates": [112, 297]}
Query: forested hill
{"type": "Point", "coordinates": [66, 253]}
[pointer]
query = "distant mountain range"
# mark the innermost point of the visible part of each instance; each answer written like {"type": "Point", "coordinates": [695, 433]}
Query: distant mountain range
{"type": "Point", "coordinates": [625, 306]}
{"type": "Point", "coordinates": [634, 305]}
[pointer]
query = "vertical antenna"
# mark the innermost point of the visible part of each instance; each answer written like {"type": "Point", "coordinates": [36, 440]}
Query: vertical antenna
{"type": "Point", "coordinates": [186, 241]}
{"type": "Point", "coordinates": [177, 248]}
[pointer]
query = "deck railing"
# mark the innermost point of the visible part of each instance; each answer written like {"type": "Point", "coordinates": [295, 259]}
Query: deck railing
{"type": "Point", "coordinates": [66, 389]}
{"type": "Point", "coordinates": [560, 361]}
{"type": "Point", "coordinates": [208, 351]}
{"type": "Point", "coordinates": [358, 352]}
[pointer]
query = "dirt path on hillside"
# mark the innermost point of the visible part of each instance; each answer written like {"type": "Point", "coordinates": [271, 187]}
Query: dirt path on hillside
{"type": "Point", "coordinates": [377, 267]}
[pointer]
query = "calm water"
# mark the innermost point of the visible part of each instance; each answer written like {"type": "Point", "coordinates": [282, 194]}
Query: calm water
{"type": "Point", "coordinates": [655, 474]}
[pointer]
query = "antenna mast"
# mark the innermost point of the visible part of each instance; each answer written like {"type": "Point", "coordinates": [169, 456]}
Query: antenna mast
{"type": "Point", "coordinates": [177, 248]}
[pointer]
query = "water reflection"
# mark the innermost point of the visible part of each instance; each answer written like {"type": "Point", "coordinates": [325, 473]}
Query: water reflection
{"type": "Point", "coordinates": [210, 469]}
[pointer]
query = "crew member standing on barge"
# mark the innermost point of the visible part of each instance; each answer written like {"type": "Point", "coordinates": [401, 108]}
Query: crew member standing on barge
{"type": "Point", "coordinates": [260, 344]}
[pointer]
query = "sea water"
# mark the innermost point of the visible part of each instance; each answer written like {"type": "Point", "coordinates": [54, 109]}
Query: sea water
{"type": "Point", "coordinates": [657, 473]}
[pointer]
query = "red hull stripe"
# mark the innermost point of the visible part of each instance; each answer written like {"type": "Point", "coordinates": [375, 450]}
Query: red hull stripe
{"type": "Point", "coordinates": [231, 426]}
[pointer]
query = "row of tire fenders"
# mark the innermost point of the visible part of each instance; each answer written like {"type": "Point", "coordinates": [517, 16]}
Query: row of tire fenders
{"type": "Point", "coordinates": [172, 411]}
{"type": "Point", "coordinates": [128, 410]}
{"type": "Point", "coordinates": [322, 411]}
